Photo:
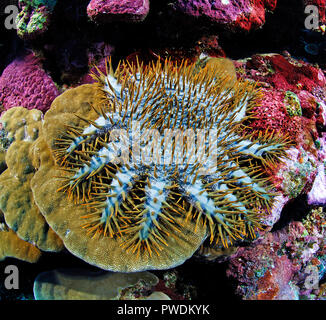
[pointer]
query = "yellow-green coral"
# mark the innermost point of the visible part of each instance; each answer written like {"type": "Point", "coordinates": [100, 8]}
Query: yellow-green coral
{"type": "Point", "coordinates": [12, 246]}
{"type": "Point", "coordinates": [292, 104]}
{"type": "Point", "coordinates": [16, 198]}
{"type": "Point", "coordinates": [21, 124]}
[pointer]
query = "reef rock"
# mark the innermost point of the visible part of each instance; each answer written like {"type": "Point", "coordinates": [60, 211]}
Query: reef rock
{"type": "Point", "coordinates": [232, 14]}
{"type": "Point", "coordinates": [293, 93]}
{"type": "Point", "coordinates": [285, 264]}
{"type": "Point", "coordinates": [118, 10]}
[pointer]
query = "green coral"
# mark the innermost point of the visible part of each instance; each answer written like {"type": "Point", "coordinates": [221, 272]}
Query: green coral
{"type": "Point", "coordinates": [292, 104]}
{"type": "Point", "coordinates": [34, 17]}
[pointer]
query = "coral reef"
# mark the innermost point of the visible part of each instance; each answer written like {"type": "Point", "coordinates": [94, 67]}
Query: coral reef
{"type": "Point", "coordinates": [284, 73]}
{"type": "Point", "coordinates": [293, 94]}
{"type": "Point", "coordinates": [118, 10]}
{"type": "Point", "coordinates": [285, 264]}
{"type": "Point", "coordinates": [34, 17]}
{"type": "Point", "coordinates": [199, 145]}
{"type": "Point", "coordinates": [24, 83]}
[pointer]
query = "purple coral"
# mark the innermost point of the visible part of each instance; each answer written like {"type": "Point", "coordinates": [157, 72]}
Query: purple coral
{"type": "Point", "coordinates": [243, 14]}
{"type": "Point", "coordinates": [24, 83]}
{"type": "Point", "coordinates": [118, 10]}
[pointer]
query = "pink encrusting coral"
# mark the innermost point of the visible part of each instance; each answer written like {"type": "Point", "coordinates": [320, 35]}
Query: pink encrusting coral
{"type": "Point", "coordinates": [273, 115]}
{"type": "Point", "coordinates": [25, 83]}
{"type": "Point", "coordinates": [285, 264]}
{"type": "Point", "coordinates": [118, 10]}
{"type": "Point", "coordinates": [292, 104]}
{"type": "Point", "coordinates": [292, 91]}
{"type": "Point", "coordinates": [288, 263]}
{"type": "Point", "coordinates": [284, 72]}
{"type": "Point", "coordinates": [234, 14]}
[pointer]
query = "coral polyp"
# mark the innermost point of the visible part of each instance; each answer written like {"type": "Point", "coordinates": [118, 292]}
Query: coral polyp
{"type": "Point", "coordinates": [166, 145]}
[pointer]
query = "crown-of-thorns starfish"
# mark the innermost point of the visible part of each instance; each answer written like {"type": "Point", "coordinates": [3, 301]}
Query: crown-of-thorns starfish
{"type": "Point", "coordinates": [154, 106]}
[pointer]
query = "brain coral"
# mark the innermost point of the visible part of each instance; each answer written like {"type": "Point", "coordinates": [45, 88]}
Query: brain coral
{"type": "Point", "coordinates": [153, 213]}
{"type": "Point", "coordinates": [24, 83]}
{"type": "Point", "coordinates": [16, 199]}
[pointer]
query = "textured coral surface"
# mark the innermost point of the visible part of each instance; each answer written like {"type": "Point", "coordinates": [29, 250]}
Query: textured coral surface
{"type": "Point", "coordinates": [24, 83]}
{"type": "Point", "coordinates": [125, 10]}
{"type": "Point", "coordinates": [244, 14]}
{"type": "Point", "coordinates": [34, 17]}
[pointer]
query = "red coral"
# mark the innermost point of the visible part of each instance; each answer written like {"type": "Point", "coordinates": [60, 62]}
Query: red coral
{"type": "Point", "coordinates": [288, 76]}
{"type": "Point", "coordinates": [256, 18]}
{"type": "Point", "coordinates": [272, 114]}
{"type": "Point", "coordinates": [267, 289]}
{"type": "Point", "coordinates": [283, 74]}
